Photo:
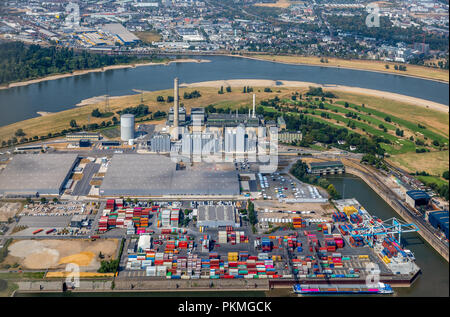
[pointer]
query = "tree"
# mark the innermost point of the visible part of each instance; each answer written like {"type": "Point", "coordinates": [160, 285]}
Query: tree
{"type": "Point", "coordinates": [160, 99]}
{"type": "Point", "coordinates": [96, 113]}
{"type": "Point", "coordinates": [228, 89]}
{"type": "Point", "coordinates": [43, 200]}
{"type": "Point", "coordinates": [19, 132]}
{"type": "Point", "coordinates": [445, 175]}
{"type": "Point", "coordinates": [332, 192]}
{"type": "Point", "coordinates": [55, 200]}
{"type": "Point", "coordinates": [253, 219]}
{"type": "Point", "coordinates": [73, 123]}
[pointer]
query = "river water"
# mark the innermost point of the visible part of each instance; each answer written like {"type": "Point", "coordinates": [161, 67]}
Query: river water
{"type": "Point", "coordinates": [434, 280]}
{"type": "Point", "coordinates": [20, 103]}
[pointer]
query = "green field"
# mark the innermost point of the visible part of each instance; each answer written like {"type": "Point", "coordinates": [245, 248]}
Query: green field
{"type": "Point", "coordinates": [401, 122]}
{"type": "Point", "coordinates": [432, 179]}
{"type": "Point", "coordinates": [23, 275]}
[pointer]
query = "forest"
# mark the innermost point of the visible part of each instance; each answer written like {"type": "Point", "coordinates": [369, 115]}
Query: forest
{"type": "Point", "coordinates": [19, 62]}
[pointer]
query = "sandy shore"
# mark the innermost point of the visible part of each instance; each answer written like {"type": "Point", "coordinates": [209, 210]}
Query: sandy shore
{"type": "Point", "coordinates": [95, 70]}
{"type": "Point", "coordinates": [44, 113]}
{"type": "Point", "coordinates": [334, 66]}
{"type": "Point", "coordinates": [301, 84]}
{"type": "Point", "coordinates": [93, 100]}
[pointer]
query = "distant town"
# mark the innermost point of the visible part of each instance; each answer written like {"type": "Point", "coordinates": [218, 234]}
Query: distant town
{"type": "Point", "coordinates": [413, 32]}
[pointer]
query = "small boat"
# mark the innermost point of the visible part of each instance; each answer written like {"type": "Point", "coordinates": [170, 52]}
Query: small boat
{"type": "Point", "coordinates": [341, 289]}
{"type": "Point", "coordinates": [410, 254]}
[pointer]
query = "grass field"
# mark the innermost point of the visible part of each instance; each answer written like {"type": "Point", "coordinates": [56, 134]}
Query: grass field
{"type": "Point", "coordinates": [148, 36]}
{"type": "Point", "coordinates": [277, 4]}
{"type": "Point", "coordinates": [436, 123]}
{"type": "Point", "coordinates": [432, 179]}
{"type": "Point", "coordinates": [411, 70]}
{"type": "Point", "coordinates": [434, 163]}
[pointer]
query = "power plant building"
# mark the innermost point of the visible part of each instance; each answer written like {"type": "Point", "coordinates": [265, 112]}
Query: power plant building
{"type": "Point", "coordinates": [126, 127]}
{"type": "Point", "coordinates": [160, 143]}
{"type": "Point", "coordinates": [181, 116]}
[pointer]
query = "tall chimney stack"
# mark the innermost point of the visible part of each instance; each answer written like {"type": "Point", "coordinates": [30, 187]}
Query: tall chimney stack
{"type": "Point", "coordinates": [254, 105]}
{"type": "Point", "coordinates": [175, 102]}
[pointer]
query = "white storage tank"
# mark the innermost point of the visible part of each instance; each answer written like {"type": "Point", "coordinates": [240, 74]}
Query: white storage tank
{"type": "Point", "coordinates": [127, 127]}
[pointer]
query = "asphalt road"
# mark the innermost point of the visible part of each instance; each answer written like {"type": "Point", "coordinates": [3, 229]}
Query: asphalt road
{"type": "Point", "coordinates": [82, 187]}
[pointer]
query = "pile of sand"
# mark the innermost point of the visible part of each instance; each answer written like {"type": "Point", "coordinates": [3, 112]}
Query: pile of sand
{"type": "Point", "coordinates": [45, 254]}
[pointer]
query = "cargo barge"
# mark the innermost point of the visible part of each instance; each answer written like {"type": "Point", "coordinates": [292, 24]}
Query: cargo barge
{"type": "Point", "coordinates": [335, 289]}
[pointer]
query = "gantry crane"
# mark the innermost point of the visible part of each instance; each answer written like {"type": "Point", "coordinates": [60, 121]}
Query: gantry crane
{"type": "Point", "coordinates": [392, 226]}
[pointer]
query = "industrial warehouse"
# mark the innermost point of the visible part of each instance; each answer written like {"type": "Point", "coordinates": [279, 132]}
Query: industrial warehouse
{"type": "Point", "coordinates": [157, 175]}
{"type": "Point", "coordinates": [36, 174]}
{"type": "Point", "coordinates": [217, 216]}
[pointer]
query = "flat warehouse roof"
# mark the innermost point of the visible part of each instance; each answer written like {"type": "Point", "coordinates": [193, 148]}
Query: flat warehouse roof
{"type": "Point", "coordinates": [418, 194]}
{"type": "Point", "coordinates": [216, 213]}
{"type": "Point", "coordinates": [41, 173]}
{"type": "Point", "coordinates": [325, 164]}
{"type": "Point", "coordinates": [156, 175]}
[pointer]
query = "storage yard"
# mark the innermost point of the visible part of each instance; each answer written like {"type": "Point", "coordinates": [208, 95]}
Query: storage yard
{"type": "Point", "coordinates": [308, 250]}
{"type": "Point", "coordinates": [31, 174]}
{"type": "Point", "coordinates": [55, 254]}
{"type": "Point", "coordinates": [9, 210]}
{"type": "Point", "coordinates": [157, 175]}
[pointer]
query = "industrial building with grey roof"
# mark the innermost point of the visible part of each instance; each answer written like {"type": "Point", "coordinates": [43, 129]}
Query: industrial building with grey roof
{"type": "Point", "coordinates": [217, 216]}
{"type": "Point", "coordinates": [32, 174]}
{"type": "Point", "coordinates": [156, 175]}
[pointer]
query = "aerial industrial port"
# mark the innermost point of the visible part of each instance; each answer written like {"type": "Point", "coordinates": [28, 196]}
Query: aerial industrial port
{"type": "Point", "coordinates": [194, 203]}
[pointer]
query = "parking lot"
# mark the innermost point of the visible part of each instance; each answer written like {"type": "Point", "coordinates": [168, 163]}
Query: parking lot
{"type": "Point", "coordinates": [279, 186]}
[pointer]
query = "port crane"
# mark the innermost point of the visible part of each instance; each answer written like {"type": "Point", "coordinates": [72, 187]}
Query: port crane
{"type": "Point", "coordinates": [392, 226]}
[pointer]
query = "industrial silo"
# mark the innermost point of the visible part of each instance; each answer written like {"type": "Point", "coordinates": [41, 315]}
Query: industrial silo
{"type": "Point", "coordinates": [127, 127]}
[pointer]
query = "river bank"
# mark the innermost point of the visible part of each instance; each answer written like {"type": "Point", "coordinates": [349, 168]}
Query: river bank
{"type": "Point", "coordinates": [96, 70]}
{"type": "Point", "coordinates": [351, 64]}
{"type": "Point", "coordinates": [301, 84]}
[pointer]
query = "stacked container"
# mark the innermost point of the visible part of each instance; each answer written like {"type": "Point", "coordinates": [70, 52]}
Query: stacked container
{"type": "Point", "coordinates": [356, 241]}
{"type": "Point", "coordinates": [298, 222]}
{"type": "Point", "coordinates": [223, 237]}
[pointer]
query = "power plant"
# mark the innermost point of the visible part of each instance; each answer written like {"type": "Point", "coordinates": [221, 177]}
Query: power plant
{"type": "Point", "coordinates": [176, 105]}
{"type": "Point", "coordinates": [126, 127]}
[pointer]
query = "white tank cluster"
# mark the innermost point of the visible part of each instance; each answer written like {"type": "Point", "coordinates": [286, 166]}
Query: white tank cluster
{"type": "Point", "coordinates": [127, 127]}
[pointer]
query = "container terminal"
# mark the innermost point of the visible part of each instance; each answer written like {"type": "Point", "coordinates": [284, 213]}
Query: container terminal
{"type": "Point", "coordinates": [300, 238]}
{"type": "Point", "coordinates": [303, 253]}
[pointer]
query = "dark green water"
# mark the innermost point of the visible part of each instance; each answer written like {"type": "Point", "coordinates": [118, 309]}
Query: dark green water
{"type": "Point", "coordinates": [434, 280]}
